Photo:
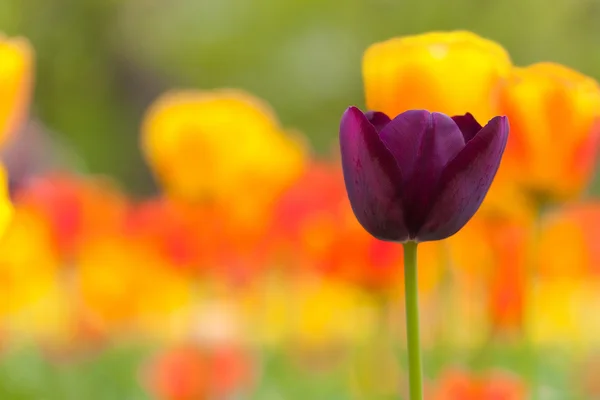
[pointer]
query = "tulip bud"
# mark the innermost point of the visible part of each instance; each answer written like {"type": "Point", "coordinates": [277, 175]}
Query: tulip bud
{"type": "Point", "coordinates": [420, 176]}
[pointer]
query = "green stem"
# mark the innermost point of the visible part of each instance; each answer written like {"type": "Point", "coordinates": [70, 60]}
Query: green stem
{"type": "Point", "coordinates": [415, 369]}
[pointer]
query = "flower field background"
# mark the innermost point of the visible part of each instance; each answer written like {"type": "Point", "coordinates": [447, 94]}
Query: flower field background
{"type": "Point", "coordinates": [176, 227]}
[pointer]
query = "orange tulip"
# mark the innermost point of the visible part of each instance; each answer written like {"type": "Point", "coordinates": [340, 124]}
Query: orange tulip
{"type": "Point", "coordinates": [488, 259]}
{"type": "Point", "coordinates": [16, 79]}
{"type": "Point", "coordinates": [449, 72]}
{"type": "Point", "coordinates": [191, 372]}
{"type": "Point", "coordinates": [316, 228]}
{"type": "Point", "coordinates": [172, 231]}
{"type": "Point", "coordinates": [507, 282]}
{"type": "Point", "coordinates": [568, 243]}
{"type": "Point", "coordinates": [73, 208]}
{"type": "Point", "coordinates": [554, 114]}
{"type": "Point", "coordinates": [460, 385]}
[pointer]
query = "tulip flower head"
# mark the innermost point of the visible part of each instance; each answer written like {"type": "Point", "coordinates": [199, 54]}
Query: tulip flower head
{"type": "Point", "coordinates": [450, 72]}
{"type": "Point", "coordinates": [16, 82]}
{"type": "Point", "coordinates": [421, 176]}
{"type": "Point", "coordinates": [555, 117]}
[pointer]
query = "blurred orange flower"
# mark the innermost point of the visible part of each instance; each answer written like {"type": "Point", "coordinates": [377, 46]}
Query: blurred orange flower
{"type": "Point", "coordinates": [74, 208]}
{"type": "Point", "coordinates": [554, 114]}
{"type": "Point", "coordinates": [449, 72]}
{"type": "Point", "coordinates": [488, 259]}
{"type": "Point", "coordinates": [568, 284]}
{"type": "Point", "coordinates": [171, 230]}
{"type": "Point", "coordinates": [507, 285]}
{"type": "Point", "coordinates": [224, 146]}
{"type": "Point", "coordinates": [461, 385]}
{"type": "Point", "coordinates": [315, 228]}
{"type": "Point", "coordinates": [201, 239]}
{"type": "Point", "coordinates": [568, 244]}
{"type": "Point", "coordinates": [125, 285]}
{"type": "Point", "coordinates": [16, 81]}
{"type": "Point", "coordinates": [192, 372]}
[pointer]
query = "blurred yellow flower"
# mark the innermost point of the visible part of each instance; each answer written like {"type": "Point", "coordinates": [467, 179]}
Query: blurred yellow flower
{"type": "Point", "coordinates": [6, 207]}
{"type": "Point", "coordinates": [561, 312]}
{"type": "Point", "coordinates": [567, 291]}
{"type": "Point", "coordinates": [554, 114]}
{"type": "Point", "coordinates": [328, 312]}
{"type": "Point", "coordinates": [309, 312]}
{"type": "Point", "coordinates": [33, 302]}
{"type": "Point", "coordinates": [16, 81]}
{"type": "Point", "coordinates": [449, 72]}
{"type": "Point", "coordinates": [124, 285]}
{"type": "Point", "coordinates": [225, 145]}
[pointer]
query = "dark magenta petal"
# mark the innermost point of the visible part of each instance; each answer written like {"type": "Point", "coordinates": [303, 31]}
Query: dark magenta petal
{"type": "Point", "coordinates": [422, 144]}
{"type": "Point", "coordinates": [378, 119]}
{"type": "Point", "coordinates": [465, 182]}
{"type": "Point", "coordinates": [373, 180]}
{"type": "Point", "coordinates": [468, 125]}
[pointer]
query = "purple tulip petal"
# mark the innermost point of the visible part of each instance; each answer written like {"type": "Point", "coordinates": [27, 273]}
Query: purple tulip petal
{"type": "Point", "coordinates": [468, 125]}
{"type": "Point", "coordinates": [465, 182]}
{"type": "Point", "coordinates": [373, 180]}
{"type": "Point", "coordinates": [422, 144]}
{"type": "Point", "coordinates": [378, 119]}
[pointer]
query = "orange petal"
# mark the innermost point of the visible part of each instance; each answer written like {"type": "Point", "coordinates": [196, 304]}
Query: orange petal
{"type": "Point", "coordinates": [553, 111]}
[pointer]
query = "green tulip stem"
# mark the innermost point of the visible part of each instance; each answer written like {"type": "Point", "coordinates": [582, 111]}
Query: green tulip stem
{"type": "Point", "coordinates": [415, 368]}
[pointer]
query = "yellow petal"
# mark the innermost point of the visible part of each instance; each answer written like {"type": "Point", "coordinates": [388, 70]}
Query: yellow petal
{"type": "Point", "coordinates": [6, 207]}
{"type": "Point", "coordinates": [29, 278]}
{"type": "Point", "coordinates": [16, 81]}
{"type": "Point", "coordinates": [220, 145]}
{"type": "Point", "coordinates": [449, 72]}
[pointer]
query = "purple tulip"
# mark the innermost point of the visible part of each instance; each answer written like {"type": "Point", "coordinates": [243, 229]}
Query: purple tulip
{"type": "Point", "coordinates": [420, 176]}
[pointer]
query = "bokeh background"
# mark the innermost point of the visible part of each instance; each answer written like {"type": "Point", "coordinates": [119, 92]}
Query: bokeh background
{"type": "Point", "coordinates": [101, 63]}
{"type": "Point", "coordinates": [321, 327]}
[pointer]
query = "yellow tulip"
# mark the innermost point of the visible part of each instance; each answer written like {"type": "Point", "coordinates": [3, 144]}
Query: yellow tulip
{"type": "Point", "coordinates": [33, 303]}
{"type": "Point", "coordinates": [6, 207]}
{"type": "Point", "coordinates": [16, 82]}
{"type": "Point", "coordinates": [449, 72]}
{"type": "Point", "coordinates": [220, 145]}
{"type": "Point", "coordinates": [554, 114]}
